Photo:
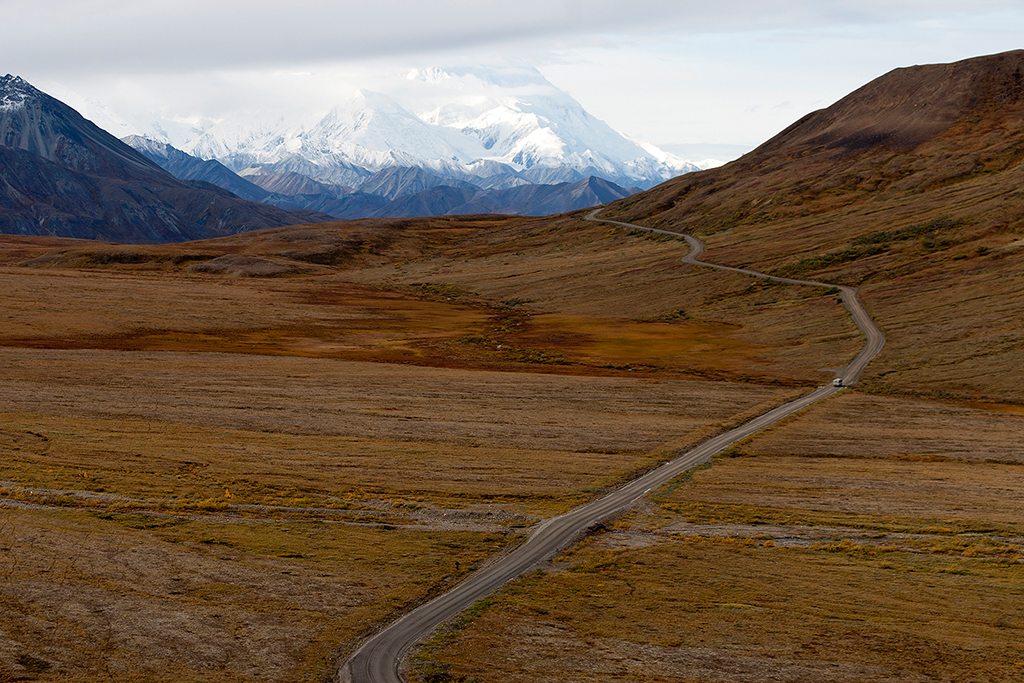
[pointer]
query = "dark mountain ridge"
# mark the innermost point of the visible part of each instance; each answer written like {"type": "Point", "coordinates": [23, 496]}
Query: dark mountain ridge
{"type": "Point", "coordinates": [39, 124]}
{"type": "Point", "coordinates": [187, 167]}
{"type": "Point", "coordinates": [394, 192]}
{"type": "Point", "coordinates": [290, 184]}
{"type": "Point", "coordinates": [521, 200]}
{"type": "Point", "coordinates": [396, 181]}
{"type": "Point", "coordinates": [61, 175]}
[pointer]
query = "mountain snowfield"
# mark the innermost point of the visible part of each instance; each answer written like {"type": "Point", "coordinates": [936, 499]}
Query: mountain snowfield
{"type": "Point", "coordinates": [494, 126]}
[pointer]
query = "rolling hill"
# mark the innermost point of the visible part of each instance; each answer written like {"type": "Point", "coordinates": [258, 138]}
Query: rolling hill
{"type": "Point", "coordinates": [909, 187]}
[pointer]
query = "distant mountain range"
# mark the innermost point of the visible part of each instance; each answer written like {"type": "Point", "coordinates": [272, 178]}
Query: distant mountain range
{"type": "Point", "coordinates": [61, 175]}
{"type": "Point", "coordinates": [491, 127]}
{"type": "Point", "coordinates": [395, 191]}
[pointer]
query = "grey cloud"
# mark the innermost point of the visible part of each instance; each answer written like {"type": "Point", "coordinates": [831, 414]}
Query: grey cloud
{"type": "Point", "coordinates": [113, 36]}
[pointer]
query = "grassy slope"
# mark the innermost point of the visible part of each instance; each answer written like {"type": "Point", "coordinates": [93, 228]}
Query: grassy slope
{"type": "Point", "coordinates": [931, 229]}
{"type": "Point", "coordinates": [874, 537]}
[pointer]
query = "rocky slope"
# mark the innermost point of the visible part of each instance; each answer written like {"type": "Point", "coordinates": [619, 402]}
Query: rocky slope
{"type": "Point", "coordinates": [393, 192]}
{"type": "Point", "coordinates": [187, 167]}
{"type": "Point", "coordinates": [61, 175]}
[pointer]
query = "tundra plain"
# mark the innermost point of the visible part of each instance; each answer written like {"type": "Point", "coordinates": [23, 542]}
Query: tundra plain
{"type": "Point", "coordinates": [835, 546]}
{"type": "Point", "coordinates": [219, 477]}
{"type": "Point", "coordinates": [876, 535]}
{"type": "Point", "coordinates": [233, 478]}
{"type": "Point", "coordinates": [233, 471]}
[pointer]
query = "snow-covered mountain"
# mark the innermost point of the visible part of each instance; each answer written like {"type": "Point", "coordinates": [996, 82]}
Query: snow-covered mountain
{"type": "Point", "coordinates": [516, 116]}
{"type": "Point", "coordinates": [62, 175]}
{"type": "Point", "coordinates": [495, 127]}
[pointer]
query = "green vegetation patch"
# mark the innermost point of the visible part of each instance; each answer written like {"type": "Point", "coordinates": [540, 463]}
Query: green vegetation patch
{"type": "Point", "coordinates": [876, 243]}
{"type": "Point", "coordinates": [887, 237]}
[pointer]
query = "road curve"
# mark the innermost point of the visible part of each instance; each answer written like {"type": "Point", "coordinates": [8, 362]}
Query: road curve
{"type": "Point", "coordinates": [378, 659]}
{"type": "Point", "coordinates": [874, 339]}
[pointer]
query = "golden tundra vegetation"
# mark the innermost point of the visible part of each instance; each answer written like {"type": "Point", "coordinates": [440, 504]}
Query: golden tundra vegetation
{"type": "Point", "coordinates": [876, 536]}
{"type": "Point", "coordinates": [229, 460]}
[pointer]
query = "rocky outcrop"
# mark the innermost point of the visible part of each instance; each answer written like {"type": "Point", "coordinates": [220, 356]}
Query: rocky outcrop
{"type": "Point", "coordinates": [61, 175]}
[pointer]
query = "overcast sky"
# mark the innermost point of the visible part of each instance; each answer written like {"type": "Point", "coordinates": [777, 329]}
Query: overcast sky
{"type": "Point", "coordinates": [669, 72]}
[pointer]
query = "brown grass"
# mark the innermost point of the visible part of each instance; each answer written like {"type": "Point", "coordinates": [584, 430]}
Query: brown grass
{"type": "Point", "coordinates": [720, 610]}
{"type": "Point", "coordinates": [564, 296]}
{"type": "Point", "coordinates": [368, 400]}
{"type": "Point", "coordinates": [844, 544]}
{"type": "Point", "coordinates": [929, 225]}
{"type": "Point", "coordinates": [888, 496]}
{"type": "Point", "coordinates": [577, 271]}
{"type": "Point", "coordinates": [241, 517]}
{"type": "Point", "coordinates": [952, 314]}
{"type": "Point", "coordinates": [134, 597]}
{"type": "Point", "coordinates": [857, 425]}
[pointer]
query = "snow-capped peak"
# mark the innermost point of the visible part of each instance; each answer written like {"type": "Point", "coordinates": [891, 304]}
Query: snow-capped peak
{"type": "Point", "coordinates": [371, 128]}
{"type": "Point", "coordinates": [448, 120]}
{"type": "Point", "coordinates": [705, 164]}
{"type": "Point", "coordinates": [432, 75]}
{"type": "Point", "coordinates": [15, 91]}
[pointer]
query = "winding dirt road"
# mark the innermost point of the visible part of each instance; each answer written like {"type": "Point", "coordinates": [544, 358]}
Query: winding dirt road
{"type": "Point", "coordinates": [378, 660]}
{"type": "Point", "coordinates": [874, 339]}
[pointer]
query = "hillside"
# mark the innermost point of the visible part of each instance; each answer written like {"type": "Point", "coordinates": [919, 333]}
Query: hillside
{"type": "Point", "coordinates": [910, 188]}
{"type": "Point", "coordinates": [61, 175]}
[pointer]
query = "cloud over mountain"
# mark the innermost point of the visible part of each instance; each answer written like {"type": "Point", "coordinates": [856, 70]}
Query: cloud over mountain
{"type": "Point", "coordinates": [462, 123]}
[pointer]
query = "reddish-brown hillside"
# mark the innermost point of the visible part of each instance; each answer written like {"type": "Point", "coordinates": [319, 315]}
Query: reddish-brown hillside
{"type": "Point", "coordinates": [912, 130]}
{"type": "Point", "coordinates": [909, 187]}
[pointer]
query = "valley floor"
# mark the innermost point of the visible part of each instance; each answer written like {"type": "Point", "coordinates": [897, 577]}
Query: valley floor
{"type": "Point", "coordinates": [230, 517]}
{"type": "Point", "coordinates": [835, 547]}
{"type": "Point", "coordinates": [211, 474]}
